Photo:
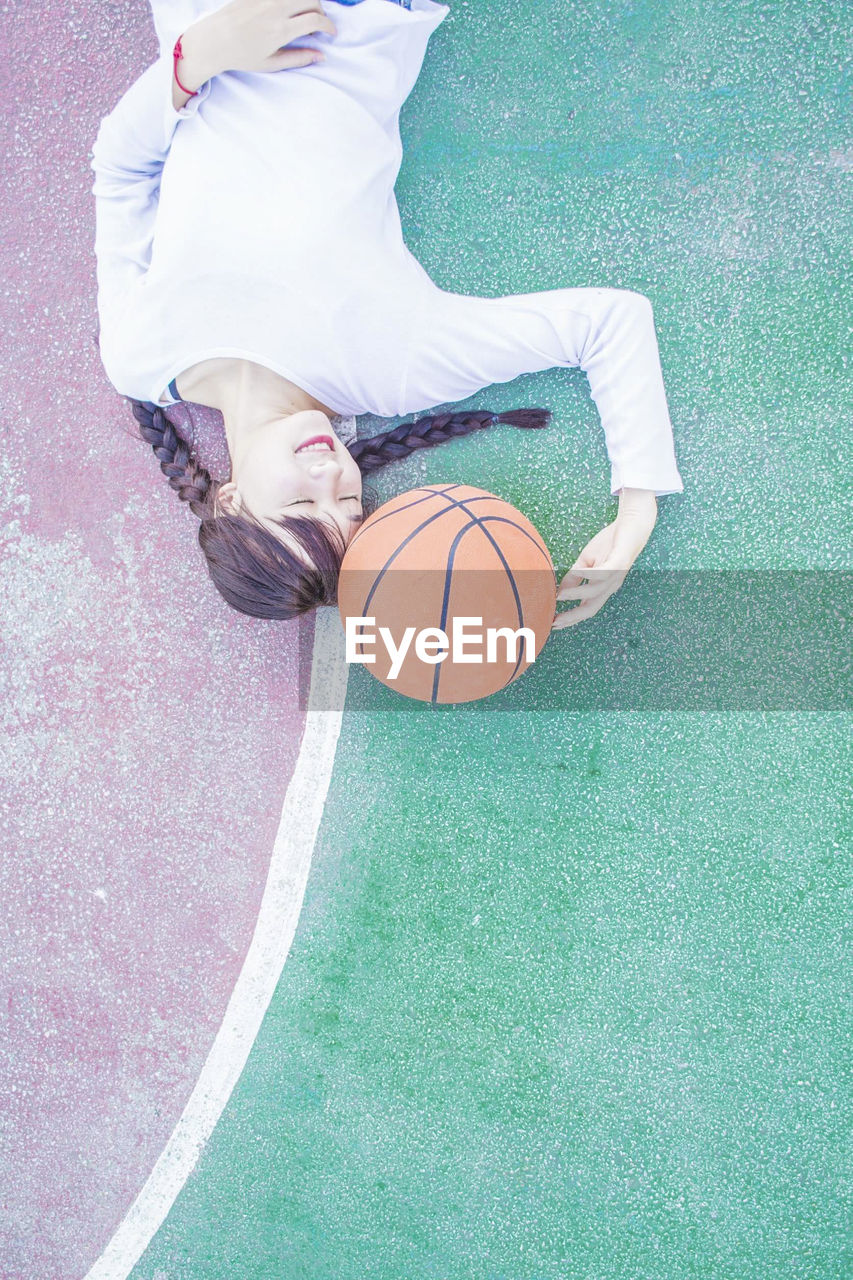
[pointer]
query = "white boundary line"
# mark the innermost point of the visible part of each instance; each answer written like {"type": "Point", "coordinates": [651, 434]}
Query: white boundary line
{"type": "Point", "coordinates": [274, 930]}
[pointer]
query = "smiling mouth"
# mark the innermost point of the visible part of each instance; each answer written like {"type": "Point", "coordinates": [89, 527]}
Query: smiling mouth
{"type": "Point", "coordinates": [318, 441]}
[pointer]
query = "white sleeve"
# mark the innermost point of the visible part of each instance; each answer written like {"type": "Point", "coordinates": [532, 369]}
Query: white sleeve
{"type": "Point", "coordinates": [127, 158]}
{"type": "Point", "coordinates": [463, 344]}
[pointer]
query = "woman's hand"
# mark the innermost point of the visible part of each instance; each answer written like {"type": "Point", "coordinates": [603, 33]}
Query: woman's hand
{"type": "Point", "coordinates": [606, 559]}
{"type": "Point", "coordinates": [248, 35]}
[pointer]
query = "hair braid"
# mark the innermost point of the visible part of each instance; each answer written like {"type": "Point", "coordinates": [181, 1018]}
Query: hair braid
{"type": "Point", "coordinates": [190, 480]}
{"type": "Point", "coordinates": [250, 567]}
{"type": "Point", "coordinates": [389, 446]}
{"type": "Point", "coordinates": [253, 570]}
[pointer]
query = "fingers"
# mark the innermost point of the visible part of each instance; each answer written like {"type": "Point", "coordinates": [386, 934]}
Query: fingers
{"type": "Point", "coordinates": [609, 583]}
{"type": "Point", "coordinates": [590, 598]}
{"type": "Point", "coordinates": [311, 22]}
{"type": "Point", "coordinates": [290, 58]}
{"type": "Point", "coordinates": [598, 572]}
{"type": "Point", "coordinates": [571, 617]}
{"type": "Point", "coordinates": [598, 580]}
{"type": "Point", "coordinates": [582, 593]}
{"type": "Point", "coordinates": [588, 608]}
{"type": "Point", "coordinates": [585, 561]}
{"type": "Point", "coordinates": [306, 24]}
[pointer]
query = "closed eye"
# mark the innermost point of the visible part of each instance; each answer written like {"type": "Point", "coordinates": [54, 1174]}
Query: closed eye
{"type": "Point", "coordinates": [357, 519]}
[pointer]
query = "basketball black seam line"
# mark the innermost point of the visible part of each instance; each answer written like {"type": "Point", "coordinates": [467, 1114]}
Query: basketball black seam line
{"type": "Point", "coordinates": [448, 575]}
{"type": "Point", "coordinates": [452, 503]}
{"type": "Point", "coordinates": [436, 515]}
{"type": "Point", "coordinates": [457, 502]}
{"type": "Point", "coordinates": [472, 521]}
{"type": "Point", "coordinates": [432, 493]}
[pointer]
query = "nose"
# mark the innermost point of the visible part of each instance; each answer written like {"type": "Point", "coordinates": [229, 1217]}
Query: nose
{"type": "Point", "coordinates": [324, 469]}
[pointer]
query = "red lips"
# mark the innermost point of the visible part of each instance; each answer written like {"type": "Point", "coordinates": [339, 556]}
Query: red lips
{"type": "Point", "coordinates": [317, 440]}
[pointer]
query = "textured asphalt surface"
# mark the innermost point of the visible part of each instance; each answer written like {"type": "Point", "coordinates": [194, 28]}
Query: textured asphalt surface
{"type": "Point", "coordinates": [149, 731]}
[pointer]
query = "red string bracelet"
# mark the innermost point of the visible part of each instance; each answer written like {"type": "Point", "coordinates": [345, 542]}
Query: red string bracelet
{"type": "Point", "coordinates": [177, 54]}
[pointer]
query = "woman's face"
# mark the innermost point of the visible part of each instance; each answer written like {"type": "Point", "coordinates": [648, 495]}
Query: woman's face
{"type": "Point", "coordinates": [273, 474]}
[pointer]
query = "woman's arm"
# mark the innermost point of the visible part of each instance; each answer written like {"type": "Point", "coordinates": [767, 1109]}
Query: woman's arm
{"type": "Point", "coordinates": [248, 35]}
{"type": "Point", "coordinates": [464, 343]}
{"type": "Point", "coordinates": [133, 141]}
{"type": "Point", "coordinates": [603, 565]}
{"type": "Point", "coordinates": [127, 159]}
{"type": "Point", "coordinates": [201, 59]}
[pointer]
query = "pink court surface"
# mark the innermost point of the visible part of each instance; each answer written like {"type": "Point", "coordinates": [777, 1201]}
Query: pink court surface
{"type": "Point", "coordinates": [146, 716]}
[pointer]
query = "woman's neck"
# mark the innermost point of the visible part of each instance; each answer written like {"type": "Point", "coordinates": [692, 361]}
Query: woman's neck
{"type": "Point", "coordinates": [248, 395]}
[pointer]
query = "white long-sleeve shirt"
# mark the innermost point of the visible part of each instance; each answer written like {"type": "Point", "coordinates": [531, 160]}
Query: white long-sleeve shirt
{"type": "Point", "coordinates": [260, 222]}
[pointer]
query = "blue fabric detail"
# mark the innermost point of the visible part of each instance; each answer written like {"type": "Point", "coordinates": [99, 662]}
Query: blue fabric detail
{"type": "Point", "coordinates": [173, 389]}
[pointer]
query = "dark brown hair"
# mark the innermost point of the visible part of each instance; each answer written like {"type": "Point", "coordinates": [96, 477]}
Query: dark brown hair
{"type": "Point", "coordinates": [255, 572]}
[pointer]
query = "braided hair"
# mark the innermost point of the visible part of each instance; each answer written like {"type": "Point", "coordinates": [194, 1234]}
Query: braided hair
{"type": "Point", "coordinates": [251, 568]}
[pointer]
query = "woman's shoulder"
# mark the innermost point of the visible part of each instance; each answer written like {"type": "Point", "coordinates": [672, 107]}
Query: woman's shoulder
{"type": "Point", "coordinates": [202, 382]}
{"type": "Point", "coordinates": [195, 382]}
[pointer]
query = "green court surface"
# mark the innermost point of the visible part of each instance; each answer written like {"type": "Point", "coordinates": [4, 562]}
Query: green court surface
{"type": "Point", "coordinates": [568, 998]}
{"type": "Point", "coordinates": [564, 1001]}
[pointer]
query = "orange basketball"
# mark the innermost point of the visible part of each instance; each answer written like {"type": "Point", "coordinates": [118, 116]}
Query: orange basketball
{"type": "Point", "coordinates": [455, 592]}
